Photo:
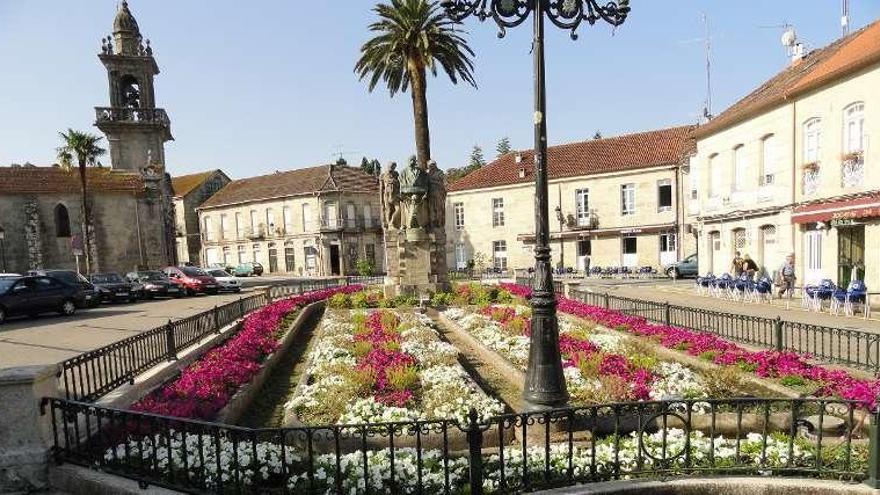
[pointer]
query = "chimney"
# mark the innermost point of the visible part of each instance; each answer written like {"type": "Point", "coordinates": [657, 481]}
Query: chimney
{"type": "Point", "coordinates": [798, 52]}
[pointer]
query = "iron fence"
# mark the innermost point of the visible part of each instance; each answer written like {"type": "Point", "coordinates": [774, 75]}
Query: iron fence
{"type": "Point", "coordinates": [510, 453]}
{"type": "Point", "coordinates": [487, 274]}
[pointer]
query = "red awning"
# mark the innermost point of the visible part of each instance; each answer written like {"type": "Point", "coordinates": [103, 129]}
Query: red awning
{"type": "Point", "coordinates": [865, 207]}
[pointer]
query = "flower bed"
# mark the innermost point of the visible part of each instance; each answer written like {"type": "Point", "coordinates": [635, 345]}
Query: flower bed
{"type": "Point", "coordinates": [205, 387]}
{"type": "Point", "coordinates": [790, 368]}
{"type": "Point", "coordinates": [598, 366]}
{"type": "Point", "coordinates": [384, 366]}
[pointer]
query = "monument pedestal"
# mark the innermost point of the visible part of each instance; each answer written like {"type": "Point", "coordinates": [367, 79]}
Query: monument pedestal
{"type": "Point", "coordinates": [412, 262]}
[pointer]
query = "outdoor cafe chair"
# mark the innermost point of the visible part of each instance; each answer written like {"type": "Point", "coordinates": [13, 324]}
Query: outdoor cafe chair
{"type": "Point", "coordinates": [855, 293]}
{"type": "Point", "coordinates": [764, 289]}
{"type": "Point", "coordinates": [744, 288]}
{"type": "Point", "coordinates": [723, 286]}
{"type": "Point", "coordinates": [815, 295]}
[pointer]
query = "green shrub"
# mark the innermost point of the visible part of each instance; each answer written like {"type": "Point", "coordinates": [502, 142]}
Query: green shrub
{"type": "Point", "coordinates": [364, 268]}
{"type": "Point", "coordinates": [504, 297]}
{"type": "Point", "coordinates": [403, 377]}
{"type": "Point", "coordinates": [441, 299]}
{"type": "Point", "coordinates": [708, 356]}
{"type": "Point", "coordinates": [359, 300]}
{"type": "Point", "coordinates": [361, 348]}
{"type": "Point", "coordinates": [339, 301]}
{"type": "Point", "coordinates": [793, 381]}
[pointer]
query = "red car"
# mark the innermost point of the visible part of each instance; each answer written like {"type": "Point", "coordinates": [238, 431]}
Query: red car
{"type": "Point", "coordinates": [192, 279]}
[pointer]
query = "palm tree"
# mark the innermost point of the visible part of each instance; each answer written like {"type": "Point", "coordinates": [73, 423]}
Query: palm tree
{"type": "Point", "coordinates": [84, 148]}
{"type": "Point", "coordinates": [411, 38]}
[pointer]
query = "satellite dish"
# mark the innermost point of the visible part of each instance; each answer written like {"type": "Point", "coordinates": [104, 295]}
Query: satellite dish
{"type": "Point", "coordinates": [789, 37]}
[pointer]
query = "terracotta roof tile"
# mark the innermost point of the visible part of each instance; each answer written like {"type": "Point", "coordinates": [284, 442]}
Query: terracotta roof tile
{"type": "Point", "coordinates": [184, 184]}
{"type": "Point", "coordinates": [294, 183]}
{"type": "Point", "coordinates": [819, 67]}
{"type": "Point", "coordinates": [628, 152]}
{"type": "Point", "coordinates": [40, 180]}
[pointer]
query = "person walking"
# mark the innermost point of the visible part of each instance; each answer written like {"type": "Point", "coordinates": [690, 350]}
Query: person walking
{"type": "Point", "coordinates": [736, 266]}
{"type": "Point", "coordinates": [749, 267]}
{"type": "Point", "coordinates": [786, 276]}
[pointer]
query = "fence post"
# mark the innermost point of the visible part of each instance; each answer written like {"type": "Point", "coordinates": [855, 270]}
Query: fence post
{"type": "Point", "coordinates": [666, 314]}
{"type": "Point", "coordinates": [777, 332]}
{"type": "Point", "coordinates": [240, 307]}
{"type": "Point", "coordinates": [607, 301]}
{"type": "Point", "coordinates": [170, 346]}
{"type": "Point", "coordinates": [216, 320]}
{"type": "Point", "coordinates": [874, 452]}
{"type": "Point", "coordinates": [475, 453]}
{"type": "Point", "coordinates": [268, 295]}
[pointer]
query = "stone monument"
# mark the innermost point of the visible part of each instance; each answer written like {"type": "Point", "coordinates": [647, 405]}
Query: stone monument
{"type": "Point", "coordinates": [413, 214]}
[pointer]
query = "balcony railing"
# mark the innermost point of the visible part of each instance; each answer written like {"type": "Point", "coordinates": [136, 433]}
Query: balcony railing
{"type": "Point", "coordinates": [589, 222]}
{"type": "Point", "coordinates": [812, 178]}
{"type": "Point", "coordinates": [134, 115]}
{"type": "Point", "coordinates": [356, 223]}
{"type": "Point", "coordinates": [853, 170]}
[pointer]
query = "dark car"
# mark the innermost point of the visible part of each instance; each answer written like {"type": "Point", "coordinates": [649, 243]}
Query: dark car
{"type": "Point", "coordinates": [155, 284]}
{"type": "Point", "coordinates": [112, 287]}
{"type": "Point", "coordinates": [193, 279]}
{"type": "Point", "coordinates": [34, 295]}
{"type": "Point", "coordinates": [687, 267]}
{"type": "Point", "coordinates": [90, 292]}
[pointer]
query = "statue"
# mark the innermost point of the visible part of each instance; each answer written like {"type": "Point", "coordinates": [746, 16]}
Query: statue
{"type": "Point", "coordinates": [414, 185]}
{"type": "Point", "coordinates": [437, 196]}
{"type": "Point", "coordinates": [389, 187]}
{"type": "Point", "coordinates": [414, 180]}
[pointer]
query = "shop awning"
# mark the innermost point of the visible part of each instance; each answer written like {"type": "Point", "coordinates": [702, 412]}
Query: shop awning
{"type": "Point", "coordinates": [843, 209]}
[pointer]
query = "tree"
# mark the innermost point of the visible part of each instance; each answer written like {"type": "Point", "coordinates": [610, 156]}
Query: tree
{"type": "Point", "coordinates": [83, 147]}
{"type": "Point", "coordinates": [342, 162]}
{"type": "Point", "coordinates": [371, 167]}
{"type": "Point", "coordinates": [477, 160]}
{"type": "Point", "coordinates": [503, 147]}
{"type": "Point", "coordinates": [411, 38]}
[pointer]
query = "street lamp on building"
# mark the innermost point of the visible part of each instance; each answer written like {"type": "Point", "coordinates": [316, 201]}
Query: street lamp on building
{"type": "Point", "coordinates": [545, 383]}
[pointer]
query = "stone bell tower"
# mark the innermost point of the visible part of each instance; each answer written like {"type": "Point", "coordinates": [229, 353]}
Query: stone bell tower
{"type": "Point", "coordinates": [136, 130]}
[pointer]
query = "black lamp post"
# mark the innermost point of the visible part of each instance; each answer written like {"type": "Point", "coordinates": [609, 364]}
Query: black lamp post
{"type": "Point", "coordinates": [561, 219]}
{"type": "Point", "coordinates": [545, 383]}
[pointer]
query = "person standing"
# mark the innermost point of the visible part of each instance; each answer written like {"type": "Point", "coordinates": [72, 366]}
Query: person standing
{"type": "Point", "coordinates": [749, 266]}
{"type": "Point", "coordinates": [787, 276]}
{"type": "Point", "coordinates": [736, 265]}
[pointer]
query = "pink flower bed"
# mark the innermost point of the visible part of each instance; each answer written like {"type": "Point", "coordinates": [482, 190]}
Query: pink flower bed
{"type": "Point", "coordinates": [206, 386]}
{"type": "Point", "coordinates": [766, 364]}
{"type": "Point", "coordinates": [383, 358]}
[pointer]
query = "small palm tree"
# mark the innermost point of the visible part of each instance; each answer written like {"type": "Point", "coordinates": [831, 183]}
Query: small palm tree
{"type": "Point", "coordinates": [83, 147]}
{"type": "Point", "coordinates": [413, 37]}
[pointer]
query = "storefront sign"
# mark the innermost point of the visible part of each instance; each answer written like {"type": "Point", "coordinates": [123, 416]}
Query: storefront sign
{"type": "Point", "coordinates": [869, 212]}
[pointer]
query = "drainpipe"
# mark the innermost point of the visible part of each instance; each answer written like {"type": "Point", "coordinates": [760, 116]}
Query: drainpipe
{"type": "Point", "coordinates": [794, 181]}
{"type": "Point", "coordinates": [679, 214]}
{"type": "Point", "coordinates": [137, 222]}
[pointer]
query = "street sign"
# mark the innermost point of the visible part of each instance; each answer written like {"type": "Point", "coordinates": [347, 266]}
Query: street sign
{"type": "Point", "coordinates": [76, 245]}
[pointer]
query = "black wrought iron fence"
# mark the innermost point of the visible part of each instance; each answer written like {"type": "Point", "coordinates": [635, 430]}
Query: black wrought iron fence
{"type": "Point", "coordinates": [487, 274]}
{"type": "Point", "coordinates": [510, 453]}
{"type": "Point", "coordinates": [298, 287]}
{"type": "Point", "coordinates": [854, 348]}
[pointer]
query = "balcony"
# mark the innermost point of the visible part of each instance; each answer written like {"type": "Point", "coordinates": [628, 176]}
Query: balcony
{"type": "Point", "coordinates": [853, 169]}
{"type": "Point", "coordinates": [588, 222]}
{"type": "Point", "coordinates": [357, 223]}
{"type": "Point", "coordinates": [131, 115]}
{"type": "Point", "coordinates": [812, 178]}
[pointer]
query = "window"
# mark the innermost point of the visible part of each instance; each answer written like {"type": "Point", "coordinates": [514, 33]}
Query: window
{"type": "Point", "coordinates": [667, 242]}
{"type": "Point", "coordinates": [208, 228]}
{"type": "Point", "coordinates": [630, 245]}
{"type": "Point", "coordinates": [739, 239]}
{"type": "Point", "coordinates": [255, 223]}
{"type": "Point", "coordinates": [628, 199]}
{"type": "Point", "coordinates": [497, 212]}
{"type": "Point", "coordinates": [270, 220]}
{"type": "Point", "coordinates": [458, 213]}
{"type": "Point", "coordinates": [227, 256]}
{"type": "Point", "coordinates": [331, 215]}
{"type": "Point", "coordinates": [242, 254]}
{"type": "Point", "coordinates": [256, 252]}
{"type": "Point", "coordinates": [582, 207]}
{"type": "Point", "coordinates": [370, 253]}
{"type": "Point", "coordinates": [460, 256]}
{"type": "Point", "coordinates": [224, 226]}
{"type": "Point", "coordinates": [239, 225]}
{"type": "Point", "coordinates": [311, 255]}
{"type": "Point", "coordinates": [812, 140]}
{"type": "Point", "coordinates": [287, 218]}
{"type": "Point", "coordinates": [768, 160]}
{"type": "Point", "coordinates": [350, 216]}
{"type": "Point", "coordinates": [714, 175]}
{"type": "Point", "coordinates": [499, 255]}
{"type": "Point", "coordinates": [740, 168]}
{"type": "Point", "coordinates": [664, 195]}
{"type": "Point", "coordinates": [289, 256]}
{"type": "Point", "coordinates": [307, 217]}
{"type": "Point", "coordinates": [62, 221]}
{"type": "Point", "coordinates": [368, 217]}
{"type": "Point", "coordinates": [854, 128]}
{"type": "Point", "coordinates": [715, 240]}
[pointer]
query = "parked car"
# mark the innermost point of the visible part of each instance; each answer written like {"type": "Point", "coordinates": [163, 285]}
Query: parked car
{"type": "Point", "coordinates": [113, 288]}
{"type": "Point", "coordinates": [154, 283]}
{"type": "Point", "coordinates": [225, 281]}
{"type": "Point", "coordinates": [9, 275]}
{"type": "Point", "coordinates": [687, 267]}
{"type": "Point", "coordinates": [34, 295]}
{"type": "Point", "coordinates": [91, 297]}
{"type": "Point", "coordinates": [249, 269]}
{"type": "Point", "coordinates": [193, 279]}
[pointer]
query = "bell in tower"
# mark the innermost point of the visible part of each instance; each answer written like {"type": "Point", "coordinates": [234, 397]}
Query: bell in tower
{"type": "Point", "coordinates": [135, 128]}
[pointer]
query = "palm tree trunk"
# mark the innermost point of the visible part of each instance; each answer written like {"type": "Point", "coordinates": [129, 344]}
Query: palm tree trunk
{"type": "Point", "coordinates": [420, 114]}
{"type": "Point", "coordinates": [85, 216]}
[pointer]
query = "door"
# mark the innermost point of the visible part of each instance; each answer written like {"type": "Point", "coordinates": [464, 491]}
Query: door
{"type": "Point", "coordinates": [18, 299]}
{"type": "Point", "coordinates": [584, 249]}
{"type": "Point", "coordinates": [289, 257]}
{"type": "Point", "coordinates": [668, 250]}
{"type": "Point", "coordinates": [850, 254]}
{"type": "Point", "coordinates": [273, 258]}
{"type": "Point", "coordinates": [813, 259]}
{"type": "Point", "coordinates": [335, 265]}
{"type": "Point", "coordinates": [630, 256]}
{"type": "Point", "coordinates": [713, 250]}
{"type": "Point", "coordinates": [47, 294]}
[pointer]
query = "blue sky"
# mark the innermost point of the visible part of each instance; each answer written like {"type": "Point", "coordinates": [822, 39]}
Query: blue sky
{"type": "Point", "coordinates": [265, 85]}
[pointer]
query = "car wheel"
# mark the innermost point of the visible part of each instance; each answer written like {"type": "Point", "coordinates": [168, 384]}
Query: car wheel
{"type": "Point", "coordinates": [672, 272]}
{"type": "Point", "coordinates": [2, 315]}
{"type": "Point", "coordinates": [190, 292]}
{"type": "Point", "coordinates": [68, 308]}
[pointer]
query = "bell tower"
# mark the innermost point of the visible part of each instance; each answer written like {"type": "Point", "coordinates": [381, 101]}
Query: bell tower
{"type": "Point", "coordinates": [136, 130]}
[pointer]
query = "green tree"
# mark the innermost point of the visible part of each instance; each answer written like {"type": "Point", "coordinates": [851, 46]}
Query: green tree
{"type": "Point", "coordinates": [82, 147]}
{"type": "Point", "coordinates": [411, 38]}
{"type": "Point", "coordinates": [477, 160]}
{"type": "Point", "coordinates": [503, 147]}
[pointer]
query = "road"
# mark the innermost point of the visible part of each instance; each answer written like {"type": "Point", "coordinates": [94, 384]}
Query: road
{"type": "Point", "coordinates": [51, 338]}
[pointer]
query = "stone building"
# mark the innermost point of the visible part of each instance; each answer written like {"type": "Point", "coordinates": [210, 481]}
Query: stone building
{"type": "Point", "coordinates": [789, 168]}
{"type": "Point", "coordinates": [619, 199]}
{"type": "Point", "coordinates": [312, 221]}
{"type": "Point", "coordinates": [132, 215]}
{"type": "Point", "coordinates": [190, 191]}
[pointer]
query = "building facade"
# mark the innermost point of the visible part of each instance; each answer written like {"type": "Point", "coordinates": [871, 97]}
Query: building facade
{"type": "Point", "coordinates": [619, 200]}
{"type": "Point", "coordinates": [788, 169]}
{"type": "Point", "coordinates": [190, 192]}
{"type": "Point", "coordinates": [316, 221]}
{"type": "Point", "coordinates": [132, 217]}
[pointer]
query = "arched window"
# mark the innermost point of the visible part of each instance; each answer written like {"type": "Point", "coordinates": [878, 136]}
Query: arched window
{"type": "Point", "coordinates": [854, 128]}
{"type": "Point", "coordinates": [130, 92]}
{"type": "Point", "coordinates": [740, 168]}
{"type": "Point", "coordinates": [62, 221]}
{"type": "Point", "coordinates": [739, 239]}
{"type": "Point", "coordinates": [812, 140]}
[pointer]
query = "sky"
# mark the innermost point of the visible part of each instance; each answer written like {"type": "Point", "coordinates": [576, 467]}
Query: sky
{"type": "Point", "coordinates": [264, 85]}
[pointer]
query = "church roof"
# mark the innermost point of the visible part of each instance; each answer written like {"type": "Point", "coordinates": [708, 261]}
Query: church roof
{"type": "Point", "coordinates": [596, 156]}
{"type": "Point", "coordinates": [124, 21]}
{"type": "Point", "coordinates": [185, 184]}
{"type": "Point", "coordinates": [303, 181]}
{"type": "Point", "coordinates": [48, 180]}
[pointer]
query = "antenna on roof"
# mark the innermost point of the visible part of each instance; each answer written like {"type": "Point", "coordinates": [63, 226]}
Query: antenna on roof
{"type": "Point", "coordinates": [790, 40]}
{"type": "Point", "coordinates": [707, 108]}
{"type": "Point", "coordinates": [844, 17]}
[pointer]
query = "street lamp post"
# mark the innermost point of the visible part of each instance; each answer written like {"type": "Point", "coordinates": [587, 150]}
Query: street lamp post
{"type": "Point", "coordinates": [545, 383]}
{"type": "Point", "coordinates": [561, 219]}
